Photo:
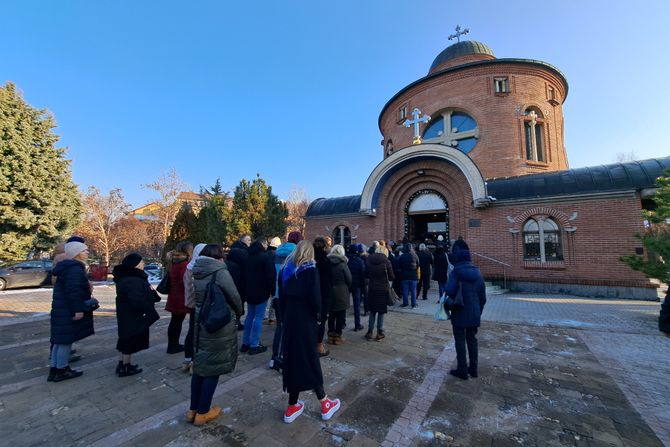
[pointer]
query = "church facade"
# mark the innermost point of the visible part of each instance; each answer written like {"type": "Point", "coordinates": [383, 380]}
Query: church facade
{"type": "Point", "coordinates": [487, 162]}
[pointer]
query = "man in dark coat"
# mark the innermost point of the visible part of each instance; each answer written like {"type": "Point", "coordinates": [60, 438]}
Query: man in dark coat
{"type": "Point", "coordinates": [409, 274]}
{"type": "Point", "coordinates": [259, 285]}
{"type": "Point", "coordinates": [324, 267]}
{"type": "Point", "coordinates": [467, 280]}
{"type": "Point", "coordinates": [69, 322]}
{"type": "Point", "coordinates": [238, 255]}
{"type": "Point", "coordinates": [426, 264]}
{"type": "Point", "coordinates": [357, 268]}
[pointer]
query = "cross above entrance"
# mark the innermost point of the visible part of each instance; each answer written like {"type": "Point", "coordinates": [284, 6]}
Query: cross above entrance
{"type": "Point", "coordinates": [459, 33]}
{"type": "Point", "coordinates": [416, 122]}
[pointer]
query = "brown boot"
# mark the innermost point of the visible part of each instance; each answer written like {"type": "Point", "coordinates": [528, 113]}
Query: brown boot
{"type": "Point", "coordinates": [321, 349]}
{"type": "Point", "coordinates": [339, 340]}
{"type": "Point", "coordinates": [380, 335]}
{"type": "Point", "coordinates": [368, 336]}
{"type": "Point", "coordinates": [331, 338]}
{"type": "Point", "coordinates": [202, 419]}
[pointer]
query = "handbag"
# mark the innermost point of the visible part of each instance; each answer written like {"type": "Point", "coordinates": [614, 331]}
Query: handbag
{"type": "Point", "coordinates": [164, 286]}
{"type": "Point", "coordinates": [392, 298]}
{"type": "Point", "coordinates": [454, 303]}
{"type": "Point", "coordinates": [91, 304]}
{"type": "Point", "coordinates": [214, 313]}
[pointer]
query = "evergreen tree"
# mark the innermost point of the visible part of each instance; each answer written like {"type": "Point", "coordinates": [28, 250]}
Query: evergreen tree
{"type": "Point", "coordinates": [212, 221]}
{"type": "Point", "coordinates": [256, 211]}
{"type": "Point", "coordinates": [39, 203]}
{"type": "Point", "coordinates": [656, 237]}
{"type": "Point", "coordinates": [184, 228]}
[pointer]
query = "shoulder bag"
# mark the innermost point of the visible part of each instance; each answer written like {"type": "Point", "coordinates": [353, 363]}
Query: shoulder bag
{"type": "Point", "coordinates": [214, 313]}
{"type": "Point", "coordinates": [164, 285]}
{"type": "Point", "coordinates": [392, 298]}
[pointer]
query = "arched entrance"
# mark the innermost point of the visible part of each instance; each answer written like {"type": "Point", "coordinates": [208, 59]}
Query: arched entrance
{"type": "Point", "coordinates": [426, 216]}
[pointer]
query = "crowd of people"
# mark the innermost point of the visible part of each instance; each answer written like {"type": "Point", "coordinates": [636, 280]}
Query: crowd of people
{"type": "Point", "coordinates": [299, 286]}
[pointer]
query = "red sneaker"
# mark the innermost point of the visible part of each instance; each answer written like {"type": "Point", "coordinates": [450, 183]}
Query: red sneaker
{"type": "Point", "coordinates": [329, 407]}
{"type": "Point", "coordinates": [293, 411]}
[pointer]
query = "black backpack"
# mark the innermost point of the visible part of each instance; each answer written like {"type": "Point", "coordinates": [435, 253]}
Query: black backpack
{"type": "Point", "coordinates": [214, 313]}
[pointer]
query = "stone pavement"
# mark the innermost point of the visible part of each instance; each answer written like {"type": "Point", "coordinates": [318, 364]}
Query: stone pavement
{"type": "Point", "coordinates": [554, 371]}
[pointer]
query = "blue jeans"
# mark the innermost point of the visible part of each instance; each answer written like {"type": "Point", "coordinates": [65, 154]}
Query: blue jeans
{"type": "Point", "coordinates": [202, 391]}
{"type": "Point", "coordinates": [60, 356]}
{"type": "Point", "coordinates": [380, 321]}
{"type": "Point", "coordinates": [356, 295]}
{"type": "Point", "coordinates": [409, 287]}
{"type": "Point", "coordinates": [253, 324]}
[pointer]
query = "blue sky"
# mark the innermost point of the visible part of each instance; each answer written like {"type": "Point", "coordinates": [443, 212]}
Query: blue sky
{"type": "Point", "coordinates": [292, 90]}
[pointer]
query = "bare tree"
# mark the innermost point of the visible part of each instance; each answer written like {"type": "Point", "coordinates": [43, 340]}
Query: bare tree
{"type": "Point", "coordinates": [297, 204]}
{"type": "Point", "coordinates": [168, 187]}
{"type": "Point", "coordinates": [101, 216]}
{"type": "Point", "coordinates": [623, 157]}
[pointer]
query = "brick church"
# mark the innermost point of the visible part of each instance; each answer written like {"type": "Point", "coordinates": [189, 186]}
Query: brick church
{"type": "Point", "coordinates": [484, 158]}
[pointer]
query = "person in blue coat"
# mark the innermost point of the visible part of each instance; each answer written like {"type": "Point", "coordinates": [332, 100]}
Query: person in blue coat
{"type": "Point", "coordinates": [69, 320]}
{"type": "Point", "coordinates": [467, 280]}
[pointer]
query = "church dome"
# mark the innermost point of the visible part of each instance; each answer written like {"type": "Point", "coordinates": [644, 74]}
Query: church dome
{"type": "Point", "coordinates": [460, 49]}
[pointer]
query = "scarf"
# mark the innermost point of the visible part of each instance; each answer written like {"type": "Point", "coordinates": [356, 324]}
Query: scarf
{"type": "Point", "coordinates": [196, 254]}
{"type": "Point", "coordinates": [290, 269]}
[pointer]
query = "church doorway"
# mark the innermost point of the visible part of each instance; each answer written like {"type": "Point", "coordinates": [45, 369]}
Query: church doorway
{"type": "Point", "coordinates": [426, 217]}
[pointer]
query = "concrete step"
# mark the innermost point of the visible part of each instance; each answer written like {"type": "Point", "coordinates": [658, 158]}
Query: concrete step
{"type": "Point", "coordinates": [494, 290]}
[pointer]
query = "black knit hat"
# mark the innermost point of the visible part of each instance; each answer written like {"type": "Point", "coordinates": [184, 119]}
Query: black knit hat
{"type": "Point", "coordinates": [131, 260]}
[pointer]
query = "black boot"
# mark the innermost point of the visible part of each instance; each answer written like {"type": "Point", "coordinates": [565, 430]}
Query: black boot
{"type": "Point", "coordinates": [175, 349]}
{"type": "Point", "coordinates": [52, 374]}
{"type": "Point", "coordinates": [129, 370]}
{"type": "Point", "coordinates": [65, 374]}
{"type": "Point", "coordinates": [472, 370]}
{"type": "Point", "coordinates": [458, 373]}
{"type": "Point", "coordinates": [368, 335]}
{"type": "Point", "coordinates": [119, 367]}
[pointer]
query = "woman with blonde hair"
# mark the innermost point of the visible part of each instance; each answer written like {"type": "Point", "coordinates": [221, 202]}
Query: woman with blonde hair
{"type": "Point", "coordinates": [300, 309]}
{"type": "Point", "coordinates": [380, 272]}
{"type": "Point", "coordinates": [341, 287]}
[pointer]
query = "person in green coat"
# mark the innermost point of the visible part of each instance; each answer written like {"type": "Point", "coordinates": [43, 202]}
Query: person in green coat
{"type": "Point", "coordinates": [214, 353]}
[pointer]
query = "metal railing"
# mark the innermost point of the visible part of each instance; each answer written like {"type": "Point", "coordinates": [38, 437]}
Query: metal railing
{"type": "Point", "coordinates": [504, 264]}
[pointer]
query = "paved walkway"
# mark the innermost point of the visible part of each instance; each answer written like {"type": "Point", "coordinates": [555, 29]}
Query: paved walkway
{"type": "Point", "coordinates": [554, 370]}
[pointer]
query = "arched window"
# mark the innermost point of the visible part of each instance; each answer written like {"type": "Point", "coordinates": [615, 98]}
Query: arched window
{"type": "Point", "coordinates": [452, 128]}
{"type": "Point", "coordinates": [389, 147]}
{"type": "Point", "coordinates": [342, 236]}
{"type": "Point", "coordinates": [542, 240]}
{"type": "Point", "coordinates": [533, 125]}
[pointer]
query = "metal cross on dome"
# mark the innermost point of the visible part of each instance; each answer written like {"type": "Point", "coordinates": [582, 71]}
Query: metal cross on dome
{"type": "Point", "coordinates": [459, 33]}
{"type": "Point", "coordinates": [416, 122]}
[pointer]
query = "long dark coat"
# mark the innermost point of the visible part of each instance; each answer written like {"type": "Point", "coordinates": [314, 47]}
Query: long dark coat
{"type": "Point", "coordinates": [69, 294]}
{"type": "Point", "coordinates": [409, 266]}
{"type": "Point", "coordinates": [467, 277]}
{"type": "Point", "coordinates": [441, 270]}
{"type": "Point", "coordinates": [214, 353]}
{"type": "Point", "coordinates": [235, 261]}
{"type": "Point", "coordinates": [380, 272]}
{"type": "Point", "coordinates": [175, 301]}
{"type": "Point", "coordinates": [341, 282]}
{"type": "Point", "coordinates": [300, 306]}
{"type": "Point", "coordinates": [356, 266]}
{"type": "Point", "coordinates": [426, 262]}
{"type": "Point", "coordinates": [135, 301]}
{"type": "Point", "coordinates": [324, 267]}
{"type": "Point", "coordinates": [260, 277]}
{"type": "Point", "coordinates": [664, 315]}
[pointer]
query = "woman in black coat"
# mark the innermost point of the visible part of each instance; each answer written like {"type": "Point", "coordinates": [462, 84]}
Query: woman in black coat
{"type": "Point", "coordinates": [135, 311]}
{"type": "Point", "coordinates": [324, 267]}
{"type": "Point", "coordinates": [300, 308]}
{"type": "Point", "coordinates": [380, 272]}
{"type": "Point", "coordinates": [441, 270]}
{"type": "Point", "coordinates": [69, 321]}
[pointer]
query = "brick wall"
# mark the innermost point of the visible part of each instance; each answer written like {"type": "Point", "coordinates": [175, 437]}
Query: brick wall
{"type": "Point", "coordinates": [500, 150]}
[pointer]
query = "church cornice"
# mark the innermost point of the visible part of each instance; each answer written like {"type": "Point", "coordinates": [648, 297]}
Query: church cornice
{"type": "Point", "coordinates": [470, 65]}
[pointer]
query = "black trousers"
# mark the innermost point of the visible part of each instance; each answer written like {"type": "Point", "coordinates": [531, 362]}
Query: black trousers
{"type": "Point", "coordinates": [462, 337]}
{"type": "Point", "coordinates": [293, 397]}
{"type": "Point", "coordinates": [424, 284]}
{"type": "Point", "coordinates": [174, 329]}
{"type": "Point", "coordinates": [336, 321]}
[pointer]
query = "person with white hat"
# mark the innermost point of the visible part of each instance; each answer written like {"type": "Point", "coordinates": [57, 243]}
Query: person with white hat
{"type": "Point", "coordinates": [69, 320]}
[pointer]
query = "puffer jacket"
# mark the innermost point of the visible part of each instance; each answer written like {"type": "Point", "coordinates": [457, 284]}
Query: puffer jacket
{"type": "Point", "coordinates": [214, 353]}
{"type": "Point", "coordinates": [467, 277]}
{"type": "Point", "coordinates": [69, 294]}
{"type": "Point", "coordinates": [341, 282]}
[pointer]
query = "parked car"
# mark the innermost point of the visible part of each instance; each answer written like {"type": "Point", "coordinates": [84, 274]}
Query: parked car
{"type": "Point", "coordinates": [154, 271]}
{"type": "Point", "coordinates": [26, 274]}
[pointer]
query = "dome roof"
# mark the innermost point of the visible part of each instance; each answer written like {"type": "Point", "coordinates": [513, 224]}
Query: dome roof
{"type": "Point", "coordinates": [465, 48]}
